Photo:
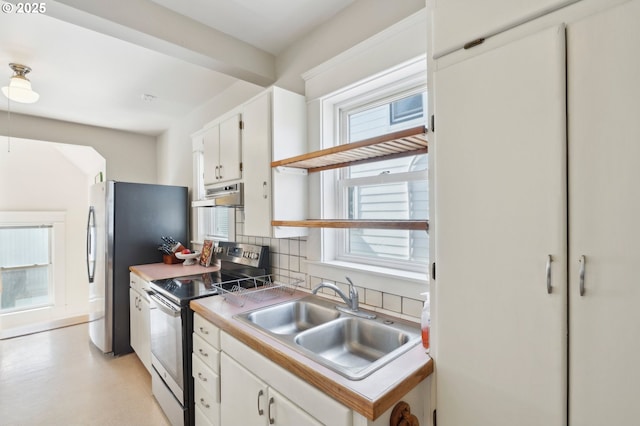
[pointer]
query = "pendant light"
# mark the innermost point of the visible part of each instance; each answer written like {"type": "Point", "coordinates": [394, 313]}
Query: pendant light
{"type": "Point", "coordinates": [19, 88]}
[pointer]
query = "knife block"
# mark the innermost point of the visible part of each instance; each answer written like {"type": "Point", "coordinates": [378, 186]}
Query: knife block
{"type": "Point", "coordinates": [170, 259]}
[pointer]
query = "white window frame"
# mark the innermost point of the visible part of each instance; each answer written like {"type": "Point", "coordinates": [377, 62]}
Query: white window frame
{"type": "Point", "coordinates": [57, 222]}
{"type": "Point", "coordinates": [398, 81]}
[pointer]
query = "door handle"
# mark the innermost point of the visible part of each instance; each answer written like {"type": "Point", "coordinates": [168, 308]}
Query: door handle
{"type": "Point", "coordinates": [271, 419]}
{"type": "Point", "coordinates": [583, 261]}
{"type": "Point", "coordinates": [260, 410]}
{"type": "Point", "coordinates": [549, 260]}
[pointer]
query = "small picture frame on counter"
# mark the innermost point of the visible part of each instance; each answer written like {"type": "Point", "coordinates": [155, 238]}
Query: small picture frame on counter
{"type": "Point", "coordinates": [207, 253]}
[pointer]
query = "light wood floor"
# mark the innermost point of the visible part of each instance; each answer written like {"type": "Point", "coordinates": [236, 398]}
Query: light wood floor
{"type": "Point", "coordinates": [58, 377]}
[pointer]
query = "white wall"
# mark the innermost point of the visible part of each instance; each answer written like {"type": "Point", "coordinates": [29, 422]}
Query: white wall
{"type": "Point", "coordinates": [130, 157]}
{"type": "Point", "coordinates": [43, 176]}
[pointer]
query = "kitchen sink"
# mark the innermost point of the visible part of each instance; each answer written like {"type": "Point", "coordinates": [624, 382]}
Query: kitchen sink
{"type": "Point", "coordinates": [292, 317]}
{"type": "Point", "coordinates": [349, 345]}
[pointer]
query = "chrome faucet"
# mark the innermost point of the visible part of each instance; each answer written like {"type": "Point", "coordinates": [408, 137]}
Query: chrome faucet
{"type": "Point", "coordinates": [352, 301]}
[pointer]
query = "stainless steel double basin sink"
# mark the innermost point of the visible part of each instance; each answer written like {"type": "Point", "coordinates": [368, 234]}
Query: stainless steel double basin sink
{"type": "Point", "coordinates": [350, 345]}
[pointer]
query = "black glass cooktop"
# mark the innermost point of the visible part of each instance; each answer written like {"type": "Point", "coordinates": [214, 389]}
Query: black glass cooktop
{"type": "Point", "coordinates": [181, 290]}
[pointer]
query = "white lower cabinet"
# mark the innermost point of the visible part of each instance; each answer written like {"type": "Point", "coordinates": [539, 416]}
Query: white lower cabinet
{"type": "Point", "coordinates": [206, 372]}
{"type": "Point", "coordinates": [252, 384]}
{"type": "Point", "coordinates": [139, 313]}
{"type": "Point", "coordinates": [247, 400]}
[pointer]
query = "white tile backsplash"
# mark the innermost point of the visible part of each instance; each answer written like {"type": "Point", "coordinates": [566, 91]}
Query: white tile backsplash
{"type": "Point", "coordinates": [288, 259]}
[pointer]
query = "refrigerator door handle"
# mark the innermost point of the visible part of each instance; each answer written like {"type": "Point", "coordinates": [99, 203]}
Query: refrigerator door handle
{"type": "Point", "coordinates": [91, 244]}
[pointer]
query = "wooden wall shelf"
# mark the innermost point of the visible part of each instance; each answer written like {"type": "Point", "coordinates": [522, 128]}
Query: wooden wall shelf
{"type": "Point", "coordinates": [392, 145]}
{"type": "Point", "coordinates": [412, 225]}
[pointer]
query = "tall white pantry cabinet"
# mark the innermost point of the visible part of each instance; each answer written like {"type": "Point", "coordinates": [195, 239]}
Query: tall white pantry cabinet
{"type": "Point", "coordinates": [537, 168]}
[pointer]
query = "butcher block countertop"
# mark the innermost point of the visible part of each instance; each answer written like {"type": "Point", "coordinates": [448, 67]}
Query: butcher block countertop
{"type": "Point", "coordinates": [371, 396]}
{"type": "Point", "coordinates": [159, 271]}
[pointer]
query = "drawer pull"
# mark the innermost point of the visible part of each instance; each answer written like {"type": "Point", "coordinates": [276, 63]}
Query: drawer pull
{"type": "Point", "coordinates": [204, 403]}
{"type": "Point", "coordinates": [204, 330]}
{"type": "Point", "coordinates": [203, 353]}
{"type": "Point", "coordinates": [201, 377]}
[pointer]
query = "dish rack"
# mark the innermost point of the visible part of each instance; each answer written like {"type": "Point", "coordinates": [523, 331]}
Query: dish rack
{"type": "Point", "coordinates": [259, 289]}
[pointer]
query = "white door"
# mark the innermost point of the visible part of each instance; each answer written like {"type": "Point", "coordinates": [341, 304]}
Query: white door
{"type": "Point", "coordinates": [230, 156]}
{"type": "Point", "coordinates": [604, 177]}
{"type": "Point", "coordinates": [256, 141]}
{"type": "Point", "coordinates": [211, 147]}
{"type": "Point", "coordinates": [243, 396]}
{"type": "Point", "coordinates": [500, 337]}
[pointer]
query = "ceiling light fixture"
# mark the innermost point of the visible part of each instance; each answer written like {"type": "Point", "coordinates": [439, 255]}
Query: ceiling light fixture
{"type": "Point", "coordinates": [19, 88]}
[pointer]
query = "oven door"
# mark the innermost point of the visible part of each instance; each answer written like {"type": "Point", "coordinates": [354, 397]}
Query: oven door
{"type": "Point", "coordinates": [167, 344]}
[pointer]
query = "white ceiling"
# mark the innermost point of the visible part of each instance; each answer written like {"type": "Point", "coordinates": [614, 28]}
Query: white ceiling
{"type": "Point", "coordinates": [91, 65]}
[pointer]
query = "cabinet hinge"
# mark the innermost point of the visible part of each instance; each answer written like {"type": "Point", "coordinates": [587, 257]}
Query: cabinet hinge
{"type": "Point", "coordinates": [433, 271]}
{"type": "Point", "coordinates": [474, 43]}
{"type": "Point", "coordinates": [241, 124]}
{"type": "Point", "coordinates": [433, 123]}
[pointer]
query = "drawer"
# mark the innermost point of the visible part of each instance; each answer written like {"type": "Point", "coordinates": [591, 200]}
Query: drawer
{"type": "Point", "coordinates": [201, 418]}
{"type": "Point", "coordinates": [137, 283]}
{"type": "Point", "coordinates": [207, 353]}
{"type": "Point", "coordinates": [207, 404]}
{"type": "Point", "coordinates": [206, 330]}
{"type": "Point", "coordinates": [207, 378]}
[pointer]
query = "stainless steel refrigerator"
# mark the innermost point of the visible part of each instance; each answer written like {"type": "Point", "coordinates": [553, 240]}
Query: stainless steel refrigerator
{"type": "Point", "coordinates": [124, 227]}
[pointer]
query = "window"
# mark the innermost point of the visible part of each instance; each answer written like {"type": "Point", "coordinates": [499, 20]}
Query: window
{"type": "Point", "coordinates": [26, 267]}
{"type": "Point", "coordinates": [213, 223]}
{"type": "Point", "coordinates": [389, 189]}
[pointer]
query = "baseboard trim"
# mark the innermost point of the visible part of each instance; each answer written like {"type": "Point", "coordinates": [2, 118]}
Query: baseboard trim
{"type": "Point", "coordinates": [43, 326]}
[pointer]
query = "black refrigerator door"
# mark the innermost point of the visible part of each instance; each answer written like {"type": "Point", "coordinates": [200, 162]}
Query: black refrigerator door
{"type": "Point", "coordinates": [143, 213]}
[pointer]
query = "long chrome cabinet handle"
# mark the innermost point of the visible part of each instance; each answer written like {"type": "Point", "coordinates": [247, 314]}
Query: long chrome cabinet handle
{"type": "Point", "coordinates": [549, 260]}
{"type": "Point", "coordinates": [583, 261]}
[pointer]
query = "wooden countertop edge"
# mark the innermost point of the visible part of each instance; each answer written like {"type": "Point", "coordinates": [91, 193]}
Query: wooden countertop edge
{"type": "Point", "coordinates": [163, 271]}
{"type": "Point", "coordinates": [316, 374]}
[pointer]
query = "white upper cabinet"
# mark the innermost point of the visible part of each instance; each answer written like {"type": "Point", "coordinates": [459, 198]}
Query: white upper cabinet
{"type": "Point", "coordinates": [457, 22]}
{"type": "Point", "coordinates": [222, 150]}
{"type": "Point", "coordinates": [274, 129]}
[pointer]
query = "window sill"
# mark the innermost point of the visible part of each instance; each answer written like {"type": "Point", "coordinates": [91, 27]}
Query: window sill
{"type": "Point", "coordinates": [394, 281]}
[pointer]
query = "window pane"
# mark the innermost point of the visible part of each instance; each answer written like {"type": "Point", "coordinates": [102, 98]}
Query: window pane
{"type": "Point", "coordinates": [383, 191]}
{"type": "Point", "coordinates": [214, 222]}
{"type": "Point", "coordinates": [24, 259]}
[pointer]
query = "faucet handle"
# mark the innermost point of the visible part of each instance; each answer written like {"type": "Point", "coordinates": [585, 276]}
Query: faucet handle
{"type": "Point", "coordinates": [353, 294]}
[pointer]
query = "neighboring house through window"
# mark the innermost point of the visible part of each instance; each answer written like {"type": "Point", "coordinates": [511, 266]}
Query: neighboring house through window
{"type": "Point", "coordinates": [388, 189]}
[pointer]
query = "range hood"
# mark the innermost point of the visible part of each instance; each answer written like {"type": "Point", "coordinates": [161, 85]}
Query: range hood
{"type": "Point", "coordinates": [231, 195]}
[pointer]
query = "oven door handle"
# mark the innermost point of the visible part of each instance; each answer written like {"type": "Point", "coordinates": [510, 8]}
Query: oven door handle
{"type": "Point", "coordinates": [165, 306]}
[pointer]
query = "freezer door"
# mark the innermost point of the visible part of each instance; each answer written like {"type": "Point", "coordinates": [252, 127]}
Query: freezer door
{"type": "Point", "coordinates": [100, 321]}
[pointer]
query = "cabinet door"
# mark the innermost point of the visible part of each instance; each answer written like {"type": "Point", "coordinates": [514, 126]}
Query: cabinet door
{"type": "Point", "coordinates": [256, 116]}
{"type": "Point", "coordinates": [134, 322]}
{"type": "Point", "coordinates": [457, 22]}
{"type": "Point", "coordinates": [230, 154]}
{"type": "Point", "coordinates": [243, 396]}
{"type": "Point", "coordinates": [144, 332]}
{"type": "Point", "coordinates": [285, 413]}
{"type": "Point", "coordinates": [500, 337]}
{"type": "Point", "coordinates": [211, 146]}
{"type": "Point", "coordinates": [604, 172]}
